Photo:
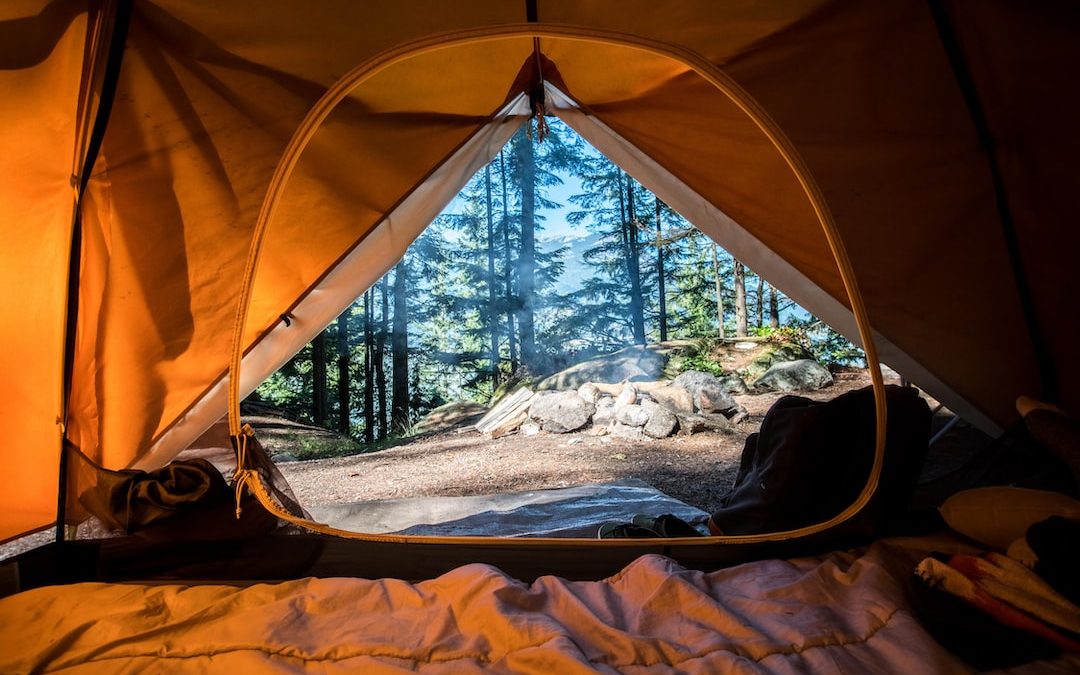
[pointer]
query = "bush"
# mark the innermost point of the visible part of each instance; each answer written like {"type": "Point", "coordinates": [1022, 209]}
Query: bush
{"type": "Point", "coordinates": [822, 342]}
{"type": "Point", "coordinates": [700, 362]}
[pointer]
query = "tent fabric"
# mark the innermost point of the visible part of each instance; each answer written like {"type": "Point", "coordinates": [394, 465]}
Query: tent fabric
{"type": "Point", "coordinates": [209, 96]}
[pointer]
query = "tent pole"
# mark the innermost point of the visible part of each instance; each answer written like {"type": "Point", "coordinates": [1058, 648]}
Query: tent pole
{"type": "Point", "coordinates": [947, 34]}
{"type": "Point", "coordinates": [117, 40]}
{"type": "Point", "coordinates": [249, 479]}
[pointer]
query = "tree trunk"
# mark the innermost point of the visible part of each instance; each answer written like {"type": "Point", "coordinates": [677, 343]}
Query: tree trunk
{"type": "Point", "coordinates": [633, 267]}
{"type": "Point", "coordinates": [740, 300]}
{"type": "Point", "coordinates": [318, 379]}
{"type": "Point", "coordinates": [399, 345]}
{"type": "Point", "coordinates": [774, 308]}
{"type": "Point", "coordinates": [369, 371]}
{"type": "Point", "coordinates": [511, 337]}
{"type": "Point", "coordinates": [719, 292]}
{"type": "Point", "coordinates": [526, 263]}
{"type": "Point", "coordinates": [380, 356]}
{"type": "Point", "coordinates": [660, 274]}
{"type": "Point", "coordinates": [760, 305]}
{"type": "Point", "coordinates": [343, 371]}
{"type": "Point", "coordinates": [493, 316]}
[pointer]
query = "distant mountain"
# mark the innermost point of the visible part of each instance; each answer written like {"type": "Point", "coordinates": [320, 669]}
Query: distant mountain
{"type": "Point", "coordinates": [576, 269]}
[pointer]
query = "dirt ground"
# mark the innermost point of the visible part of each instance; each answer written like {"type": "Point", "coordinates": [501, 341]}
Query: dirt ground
{"type": "Point", "coordinates": [697, 469]}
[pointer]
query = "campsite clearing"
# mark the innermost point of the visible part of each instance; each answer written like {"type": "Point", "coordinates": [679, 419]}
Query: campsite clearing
{"type": "Point", "coordinates": [697, 469]}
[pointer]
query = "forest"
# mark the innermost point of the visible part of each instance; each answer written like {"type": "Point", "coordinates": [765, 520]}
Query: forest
{"type": "Point", "coordinates": [550, 255]}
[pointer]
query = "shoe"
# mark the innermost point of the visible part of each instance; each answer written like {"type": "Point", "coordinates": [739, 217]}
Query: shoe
{"type": "Point", "coordinates": [614, 530]}
{"type": "Point", "coordinates": [666, 526]}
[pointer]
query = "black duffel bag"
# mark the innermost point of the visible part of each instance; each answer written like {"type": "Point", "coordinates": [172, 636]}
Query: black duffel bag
{"type": "Point", "coordinates": [810, 460]}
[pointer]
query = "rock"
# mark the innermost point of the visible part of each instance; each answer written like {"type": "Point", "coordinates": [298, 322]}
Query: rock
{"type": "Point", "coordinates": [746, 346]}
{"type": "Point", "coordinates": [561, 412]}
{"type": "Point", "coordinates": [631, 415]}
{"type": "Point", "coordinates": [589, 392]}
{"type": "Point", "coordinates": [802, 375]}
{"type": "Point", "coordinates": [280, 457]}
{"type": "Point", "coordinates": [623, 431]}
{"type": "Point", "coordinates": [605, 412]}
{"type": "Point", "coordinates": [714, 399]}
{"type": "Point", "coordinates": [454, 414]}
{"type": "Point", "coordinates": [708, 392]}
{"type": "Point", "coordinates": [662, 422]}
{"type": "Point", "coordinates": [733, 384]}
{"type": "Point", "coordinates": [635, 363]}
{"type": "Point", "coordinates": [676, 399]}
{"type": "Point", "coordinates": [628, 396]}
{"type": "Point", "coordinates": [692, 423]}
{"type": "Point", "coordinates": [530, 428]}
{"type": "Point", "coordinates": [774, 354]}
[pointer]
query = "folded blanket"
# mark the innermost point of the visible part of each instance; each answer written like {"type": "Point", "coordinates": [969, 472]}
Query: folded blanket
{"type": "Point", "coordinates": [951, 578]}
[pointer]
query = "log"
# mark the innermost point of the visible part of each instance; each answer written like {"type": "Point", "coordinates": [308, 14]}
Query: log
{"type": "Point", "coordinates": [616, 389]}
{"type": "Point", "coordinates": [508, 415]}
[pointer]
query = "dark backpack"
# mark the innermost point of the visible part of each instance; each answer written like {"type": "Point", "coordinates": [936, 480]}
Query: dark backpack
{"type": "Point", "coordinates": [810, 460]}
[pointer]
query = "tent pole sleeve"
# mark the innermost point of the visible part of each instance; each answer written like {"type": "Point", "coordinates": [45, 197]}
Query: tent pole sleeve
{"type": "Point", "coordinates": [964, 79]}
{"type": "Point", "coordinates": [121, 20]}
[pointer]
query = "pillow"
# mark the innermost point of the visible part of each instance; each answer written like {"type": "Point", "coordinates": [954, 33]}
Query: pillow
{"type": "Point", "coordinates": [997, 516]}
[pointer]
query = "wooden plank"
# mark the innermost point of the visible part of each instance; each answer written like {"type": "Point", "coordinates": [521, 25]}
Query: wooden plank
{"type": "Point", "coordinates": [508, 425]}
{"type": "Point", "coordinates": [507, 412]}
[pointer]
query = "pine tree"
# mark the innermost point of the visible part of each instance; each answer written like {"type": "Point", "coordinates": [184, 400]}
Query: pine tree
{"type": "Point", "coordinates": [774, 308]}
{"type": "Point", "coordinates": [318, 379]}
{"type": "Point", "coordinates": [633, 262]}
{"type": "Point", "coordinates": [719, 292]}
{"type": "Point", "coordinates": [399, 345]}
{"type": "Point", "coordinates": [525, 158]}
{"type": "Point", "coordinates": [612, 297]}
{"type": "Point", "coordinates": [380, 354]}
{"type": "Point", "coordinates": [490, 281]}
{"type": "Point", "coordinates": [740, 300]}
{"type": "Point", "coordinates": [759, 304]}
{"type": "Point", "coordinates": [369, 371]}
{"type": "Point", "coordinates": [343, 372]}
{"type": "Point", "coordinates": [661, 291]}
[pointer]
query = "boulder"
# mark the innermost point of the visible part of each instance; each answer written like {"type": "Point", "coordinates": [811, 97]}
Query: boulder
{"type": "Point", "coordinates": [451, 415]}
{"type": "Point", "coordinates": [631, 415]}
{"type": "Point", "coordinates": [628, 396]}
{"type": "Point", "coordinates": [589, 392]}
{"type": "Point", "coordinates": [561, 412]}
{"type": "Point", "coordinates": [662, 422]}
{"type": "Point", "coordinates": [630, 433]}
{"type": "Point", "coordinates": [708, 392]}
{"type": "Point", "coordinates": [605, 412]}
{"type": "Point", "coordinates": [733, 384]}
{"type": "Point", "coordinates": [692, 423]}
{"type": "Point", "coordinates": [282, 457]}
{"type": "Point", "coordinates": [676, 399]}
{"type": "Point", "coordinates": [775, 353]}
{"type": "Point", "coordinates": [802, 375]}
{"type": "Point", "coordinates": [637, 363]}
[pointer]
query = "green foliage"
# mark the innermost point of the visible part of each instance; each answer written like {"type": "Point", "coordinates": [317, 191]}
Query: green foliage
{"type": "Point", "coordinates": [822, 342]}
{"type": "Point", "coordinates": [701, 362]}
